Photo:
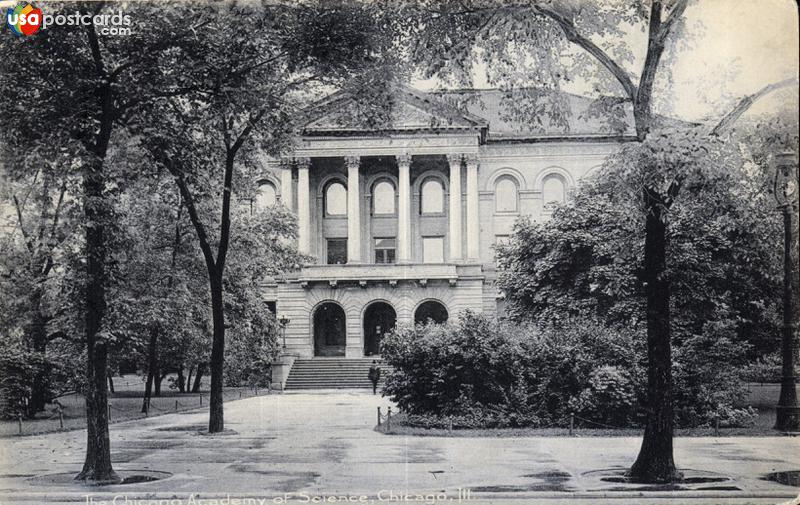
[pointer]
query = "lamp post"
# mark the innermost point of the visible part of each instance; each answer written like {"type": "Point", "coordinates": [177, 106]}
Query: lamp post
{"type": "Point", "coordinates": [786, 194]}
{"type": "Point", "coordinates": [283, 321]}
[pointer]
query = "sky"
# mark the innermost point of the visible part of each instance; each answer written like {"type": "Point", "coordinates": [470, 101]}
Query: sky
{"type": "Point", "coordinates": [738, 47]}
{"type": "Point", "coordinates": [742, 46]}
{"type": "Point", "coordinates": [760, 36]}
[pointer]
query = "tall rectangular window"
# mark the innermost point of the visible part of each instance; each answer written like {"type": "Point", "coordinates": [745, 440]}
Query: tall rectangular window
{"type": "Point", "coordinates": [433, 249]}
{"type": "Point", "coordinates": [337, 251]}
{"type": "Point", "coordinates": [385, 250]}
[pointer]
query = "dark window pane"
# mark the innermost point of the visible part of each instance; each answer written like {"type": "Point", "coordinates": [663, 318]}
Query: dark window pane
{"type": "Point", "coordinates": [337, 251]}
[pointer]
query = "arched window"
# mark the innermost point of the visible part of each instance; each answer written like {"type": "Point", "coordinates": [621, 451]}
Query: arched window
{"type": "Point", "coordinates": [554, 190]}
{"type": "Point", "coordinates": [383, 198]}
{"type": "Point", "coordinates": [505, 195]}
{"type": "Point", "coordinates": [431, 310]}
{"type": "Point", "coordinates": [266, 196]}
{"type": "Point", "coordinates": [335, 199]}
{"type": "Point", "coordinates": [432, 197]}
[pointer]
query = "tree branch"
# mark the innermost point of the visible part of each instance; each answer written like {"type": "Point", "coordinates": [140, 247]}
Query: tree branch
{"type": "Point", "coordinates": [672, 18]}
{"type": "Point", "coordinates": [94, 45]}
{"type": "Point", "coordinates": [746, 102]}
{"type": "Point", "coordinates": [28, 242]}
{"type": "Point", "coordinates": [572, 35]}
{"type": "Point", "coordinates": [57, 211]}
{"type": "Point", "coordinates": [188, 201]}
{"type": "Point", "coordinates": [161, 45]}
{"type": "Point", "coordinates": [246, 132]}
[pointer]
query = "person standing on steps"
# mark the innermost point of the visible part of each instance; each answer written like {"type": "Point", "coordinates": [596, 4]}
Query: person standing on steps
{"type": "Point", "coordinates": [374, 375]}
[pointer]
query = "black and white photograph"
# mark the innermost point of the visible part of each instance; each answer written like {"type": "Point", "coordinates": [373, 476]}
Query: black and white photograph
{"type": "Point", "coordinates": [488, 252]}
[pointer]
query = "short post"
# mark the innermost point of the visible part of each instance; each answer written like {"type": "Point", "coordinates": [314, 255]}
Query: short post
{"type": "Point", "coordinates": [19, 420]}
{"type": "Point", "coordinates": [108, 411]}
{"type": "Point", "coordinates": [716, 426]}
{"type": "Point", "coordinates": [240, 394]}
{"type": "Point", "coordinates": [176, 405]}
{"type": "Point", "coordinates": [449, 424]}
{"type": "Point", "coordinates": [571, 423]}
{"type": "Point", "coordinates": [379, 416]}
{"type": "Point", "coordinates": [60, 419]}
{"type": "Point", "coordinates": [256, 389]}
{"type": "Point", "coordinates": [388, 419]}
{"type": "Point", "coordinates": [201, 398]}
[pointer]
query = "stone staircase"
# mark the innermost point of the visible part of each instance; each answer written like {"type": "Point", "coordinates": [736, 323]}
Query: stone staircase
{"type": "Point", "coordinates": [332, 373]}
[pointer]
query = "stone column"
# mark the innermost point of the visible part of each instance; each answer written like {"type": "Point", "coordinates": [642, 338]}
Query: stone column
{"type": "Point", "coordinates": [286, 184]}
{"type": "Point", "coordinates": [404, 209]}
{"type": "Point", "coordinates": [353, 210]}
{"type": "Point", "coordinates": [455, 207]}
{"type": "Point", "coordinates": [473, 219]}
{"type": "Point", "coordinates": [303, 207]}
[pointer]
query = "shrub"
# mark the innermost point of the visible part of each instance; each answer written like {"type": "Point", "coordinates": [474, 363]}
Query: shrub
{"type": "Point", "coordinates": [480, 372]}
{"type": "Point", "coordinates": [17, 370]}
{"type": "Point", "coordinates": [484, 372]}
{"type": "Point", "coordinates": [610, 397]}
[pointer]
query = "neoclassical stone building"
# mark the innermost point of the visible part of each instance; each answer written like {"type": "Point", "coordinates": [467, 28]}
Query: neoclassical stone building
{"type": "Point", "coordinates": [402, 222]}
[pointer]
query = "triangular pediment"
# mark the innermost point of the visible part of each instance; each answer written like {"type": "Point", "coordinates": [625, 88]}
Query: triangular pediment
{"type": "Point", "coordinates": [411, 110]}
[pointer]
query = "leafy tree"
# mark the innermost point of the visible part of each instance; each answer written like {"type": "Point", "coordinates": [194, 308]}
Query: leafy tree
{"type": "Point", "coordinates": [72, 87]}
{"type": "Point", "coordinates": [42, 228]}
{"type": "Point", "coordinates": [543, 43]}
{"type": "Point", "coordinates": [587, 259]}
{"type": "Point", "coordinates": [251, 82]}
{"type": "Point", "coordinates": [587, 262]}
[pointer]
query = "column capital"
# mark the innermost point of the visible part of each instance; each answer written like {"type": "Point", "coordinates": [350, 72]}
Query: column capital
{"type": "Point", "coordinates": [472, 160]}
{"type": "Point", "coordinates": [352, 161]}
{"type": "Point", "coordinates": [455, 159]}
{"type": "Point", "coordinates": [285, 162]}
{"type": "Point", "coordinates": [403, 160]}
{"type": "Point", "coordinates": [303, 162]}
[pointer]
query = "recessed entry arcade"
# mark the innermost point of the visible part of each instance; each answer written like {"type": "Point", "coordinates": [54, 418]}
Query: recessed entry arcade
{"type": "Point", "coordinates": [379, 316]}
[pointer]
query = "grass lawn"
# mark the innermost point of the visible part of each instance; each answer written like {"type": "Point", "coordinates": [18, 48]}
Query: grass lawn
{"type": "Point", "coordinates": [762, 428]}
{"type": "Point", "coordinates": [125, 404]}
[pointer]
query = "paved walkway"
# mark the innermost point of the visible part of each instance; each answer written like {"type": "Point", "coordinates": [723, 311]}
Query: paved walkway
{"type": "Point", "coordinates": [314, 445]}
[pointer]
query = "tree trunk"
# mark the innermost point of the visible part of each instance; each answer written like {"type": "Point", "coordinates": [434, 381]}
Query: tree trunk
{"type": "Point", "coordinates": [655, 462]}
{"type": "Point", "coordinates": [198, 378]}
{"type": "Point", "coordinates": [215, 420]}
{"type": "Point", "coordinates": [181, 380]}
{"type": "Point", "coordinates": [38, 337]}
{"type": "Point", "coordinates": [152, 366]}
{"type": "Point", "coordinates": [158, 377]}
{"type": "Point", "coordinates": [189, 379]}
{"type": "Point", "coordinates": [97, 466]}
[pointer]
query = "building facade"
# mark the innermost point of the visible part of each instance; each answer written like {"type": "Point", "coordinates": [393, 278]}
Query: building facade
{"type": "Point", "coordinates": [401, 223]}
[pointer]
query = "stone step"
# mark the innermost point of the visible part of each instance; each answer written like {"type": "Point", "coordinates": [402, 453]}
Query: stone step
{"type": "Point", "coordinates": [332, 373]}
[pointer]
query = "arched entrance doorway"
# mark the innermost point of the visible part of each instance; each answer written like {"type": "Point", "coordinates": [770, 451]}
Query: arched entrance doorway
{"type": "Point", "coordinates": [433, 310]}
{"type": "Point", "coordinates": [379, 318]}
{"type": "Point", "coordinates": [329, 330]}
